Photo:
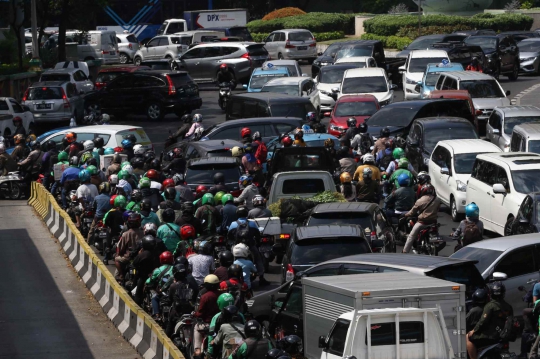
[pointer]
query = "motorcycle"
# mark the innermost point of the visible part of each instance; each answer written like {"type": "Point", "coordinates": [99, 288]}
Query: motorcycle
{"type": "Point", "coordinates": [224, 94]}
{"type": "Point", "coordinates": [265, 248]}
{"type": "Point", "coordinates": [87, 217]}
{"type": "Point", "coordinates": [183, 334]}
{"type": "Point", "coordinates": [429, 241]}
{"type": "Point", "coordinates": [496, 351]}
{"type": "Point", "coordinates": [12, 186]}
{"type": "Point", "coordinates": [459, 240]}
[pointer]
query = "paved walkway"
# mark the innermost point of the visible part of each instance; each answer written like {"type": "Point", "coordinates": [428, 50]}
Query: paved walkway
{"type": "Point", "coordinates": [45, 310]}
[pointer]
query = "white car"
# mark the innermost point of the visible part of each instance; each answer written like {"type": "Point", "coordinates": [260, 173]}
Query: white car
{"type": "Point", "coordinates": [414, 68]}
{"type": "Point", "coordinates": [10, 108]}
{"type": "Point", "coordinates": [75, 76]}
{"type": "Point", "coordinates": [329, 78]}
{"type": "Point", "coordinates": [498, 184]}
{"type": "Point", "coordinates": [368, 81]}
{"type": "Point", "coordinates": [360, 61]}
{"type": "Point", "coordinates": [450, 167]}
{"type": "Point", "coordinates": [128, 45]}
{"type": "Point", "coordinates": [295, 86]}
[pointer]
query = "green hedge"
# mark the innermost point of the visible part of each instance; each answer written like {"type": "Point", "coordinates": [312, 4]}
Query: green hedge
{"type": "Point", "coordinates": [388, 25]}
{"type": "Point", "coordinates": [412, 31]}
{"type": "Point", "coordinates": [314, 21]}
{"type": "Point", "coordinates": [390, 42]}
{"type": "Point", "coordinates": [320, 36]}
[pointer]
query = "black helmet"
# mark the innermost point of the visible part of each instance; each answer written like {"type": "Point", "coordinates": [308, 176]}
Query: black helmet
{"type": "Point", "coordinates": [148, 243]}
{"type": "Point", "coordinates": [241, 212]}
{"type": "Point", "coordinates": [351, 122]}
{"type": "Point", "coordinates": [219, 178]}
{"type": "Point", "coordinates": [136, 195]}
{"type": "Point", "coordinates": [99, 142]}
{"type": "Point", "coordinates": [51, 145]}
{"type": "Point", "coordinates": [229, 313]}
{"type": "Point", "coordinates": [252, 329]}
{"type": "Point", "coordinates": [74, 161]}
{"type": "Point", "coordinates": [235, 271]}
{"type": "Point", "coordinates": [168, 215]}
{"type": "Point", "coordinates": [343, 151]}
{"type": "Point", "coordinates": [179, 271]}
{"type": "Point", "coordinates": [170, 193]}
{"type": "Point", "coordinates": [187, 208]}
{"type": "Point", "coordinates": [149, 156]}
{"type": "Point", "coordinates": [137, 162]}
{"type": "Point", "coordinates": [92, 162]}
{"type": "Point", "coordinates": [35, 145]}
{"type": "Point", "coordinates": [206, 248]}
{"type": "Point", "coordinates": [385, 132]}
{"type": "Point", "coordinates": [134, 220]}
{"type": "Point", "coordinates": [186, 118]}
{"type": "Point", "coordinates": [117, 158]}
{"type": "Point", "coordinates": [146, 204]}
{"type": "Point", "coordinates": [275, 354]}
{"type": "Point", "coordinates": [226, 258]}
{"type": "Point", "coordinates": [131, 137]}
{"type": "Point", "coordinates": [182, 261]}
{"type": "Point", "coordinates": [480, 296]}
{"type": "Point", "coordinates": [292, 344]}
{"type": "Point", "coordinates": [498, 290]}
{"type": "Point", "coordinates": [363, 127]}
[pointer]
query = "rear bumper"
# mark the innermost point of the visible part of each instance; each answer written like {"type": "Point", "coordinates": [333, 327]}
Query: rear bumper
{"type": "Point", "coordinates": [51, 117]}
{"type": "Point", "coordinates": [184, 104]}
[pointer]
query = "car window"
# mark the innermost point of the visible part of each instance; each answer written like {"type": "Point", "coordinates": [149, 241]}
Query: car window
{"type": "Point", "coordinates": [232, 133]}
{"type": "Point", "coordinates": [227, 50]}
{"type": "Point", "coordinates": [518, 262]}
{"type": "Point", "coordinates": [148, 81]}
{"type": "Point", "coordinates": [280, 36]}
{"type": "Point", "coordinates": [121, 82]}
{"type": "Point", "coordinates": [308, 87]}
{"type": "Point", "coordinates": [450, 84]}
{"type": "Point", "coordinates": [16, 107]}
{"type": "Point", "coordinates": [236, 109]}
{"type": "Point", "coordinates": [416, 133]}
{"type": "Point", "coordinates": [212, 51]}
{"type": "Point", "coordinates": [505, 42]}
{"type": "Point", "coordinates": [295, 186]}
{"type": "Point", "coordinates": [324, 270]}
{"type": "Point", "coordinates": [484, 171]}
{"type": "Point", "coordinates": [440, 82]}
{"type": "Point", "coordinates": [527, 208]}
{"type": "Point", "coordinates": [270, 38]}
{"type": "Point", "coordinates": [263, 110]}
{"type": "Point", "coordinates": [385, 333]}
{"type": "Point", "coordinates": [193, 54]}
{"type": "Point", "coordinates": [4, 106]}
{"type": "Point", "coordinates": [71, 90]}
{"type": "Point", "coordinates": [515, 142]}
{"type": "Point", "coordinates": [191, 152]}
{"type": "Point", "coordinates": [284, 127]}
{"type": "Point", "coordinates": [153, 42]}
{"type": "Point", "coordinates": [250, 109]}
{"type": "Point", "coordinates": [336, 342]}
{"type": "Point", "coordinates": [359, 269]}
{"type": "Point", "coordinates": [495, 120]}
{"type": "Point", "coordinates": [502, 177]}
{"type": "Point", "coordinates": [294, 302]}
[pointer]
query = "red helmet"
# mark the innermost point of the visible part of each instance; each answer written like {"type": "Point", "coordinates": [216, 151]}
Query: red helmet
{"type": "Point", "coordinates": [188, 232]}
{"type": "Point", "coordinates": [73, 147]}
{"type": "Point", "coordinates": [245, 132]}
{"type": "Point", "coordinates": [152, 174]}
{"type": "Point", "coordinates": [201, 190]}
{"type": "Point", "coordinates": [166, 258]}
{"type": "Point", "coordinates": [167, 183]}
{"type": "Point", "coordinates": [287, 141]}
{"type": "Point", "coordinates": [71, 137]}
{"type": "Point", "coordinates": [427, 190]}
{"type": "Point", "coordinates": [223, 66]}
{"type": "Point", "coordinates": [16, 119]}
{"type": "Point", "coordinates": [112, 200]}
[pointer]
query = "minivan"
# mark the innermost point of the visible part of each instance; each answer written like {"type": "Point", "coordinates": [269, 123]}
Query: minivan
{"type": "Point", "coordinates": [503, 119]}
{"type": "Point", "coordinates": [526, 138]}
{"type": "Point", "coordinates": [267, 104]}
{"type": "Point", "coordinates": [98, 45]}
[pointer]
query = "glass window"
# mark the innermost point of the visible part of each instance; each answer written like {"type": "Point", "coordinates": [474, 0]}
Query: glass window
{"type": "Point", "coordinates": [291, 110]}
{"type": "Point", "coordinates": [236, 109]}
{"type": "Point", "coordinates": [262, 109]}
{"type": "Point", "coordinates": [464, 162]}
{"type": "Point", "coordinates": [361, 108]}
{"type": "Point", "coordinates": [294, 186]}
{"type": "Point", "coordinates": [250, 109]}
{"type": "Point", "coordinates": [450, 84]}
{"type": "Point", "coordinates": [518, 262]}
{"type": "Point", "coordinates": [485, 257]}
{"type": "Point", "coordinates": [482, 88]}
{"type": "Point", "coordinates": [213, 51]}
{"type": "Point", "coordinates": [440, 82]}
{"type": "Point", "coordinates": [232, 133]}
{"type": "Point", "coordinates": [510, 122]}
{"type": "Point", "coordinates": [364, 85]}
{"type": "Point", "coordinates": [55, 77]}
{"type": "Point", "coordinates": [318, 250]}
{"type": "Point", "coordinates": [527, 208]}
{"type": "Point", "coordinates": [16, 107]}
{"type": "Point", "coordinates": [285, 89]}
{"type": "Point", "coordinates": [419, 64]}
{"type": "Point", "coordinates": [336, 342]}
{"type": "Point", "coordinates": [526, 181]}
{"type": "Point", "coordinates": [300, 36]}
{"type": "Point", "coordinates": [148, 81]}
{"type": "Point", "coordinates": [485, 172]}
{"type": "Point", "coordinates": [259, 80]}
{"type": "Point", "coordinates": [434, 135]}
{"type": "Point", "coordinates": [324, 270]}
{"type": "Point", "coordinates": [205, 174]}
{"type": "Point", "coordinates": [164, 41]}
{"type": "Point", "coordinates": [71, 90]}
{"type": "Point", "coordinates": [153, 42]}
{"type": "Point", "coordinates": [294, 302]}
{"type": "Point", "coordinates": [515, 142]}
{"type": "Point", "coordinates": [488, 44]}
{"type": "Point", "coordinates": [227, 50]}
{"type": "Point", "coordinates": [270, 38]}
{"type": "Point", "coordinates": [330, 75]}
{"type": "Point", "coordinates": [4, 106]}
{"type": "Point", "coordinates": [176, 40]}
{"type": "Point", "coordinates": [385, 333]}
{"type": "Point", "coordinates": [359, 269]}
{"type": "Point", "coordinates": [502, 178]}
{"type": "Point", "coordinates": [280, 37]}
{"type": "Point", "coordinates": [45, 93]}
{"type": "Point", "coordinates": [131, 38]}
{"type": "Point", "coordinates": [495, 120]}
{"type": "Point", "coordinates": [355, 51]}
{"type": "Point", "coordinates": [284, 127]}
{"type": "Point", "coordinates": [534, 146]}
{"type": "Point", "coordinates": [193, 53]}
{"type": "Point", "coordinates": [466, 274]}
{"type": "Point", "coordinates": [122, 82]}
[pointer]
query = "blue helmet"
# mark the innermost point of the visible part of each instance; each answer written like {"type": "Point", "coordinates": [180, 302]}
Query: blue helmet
{"type": "Point", "coordinates": [472, 210]}
{"type": "Point", "coordinates": [403, 180]}
{"type": "Point", "coordinates": [306, 128]}
{"type": "Point", "coordinates": [245, 180]}
{"type": "Point", "coordinates": [127, 143]}
{"type": "Point", "coordinates": [109, 151]}
{"type": "Point", "coordinates": [84, 176]}
{"type": "Point", "coordinates": [311, 116]}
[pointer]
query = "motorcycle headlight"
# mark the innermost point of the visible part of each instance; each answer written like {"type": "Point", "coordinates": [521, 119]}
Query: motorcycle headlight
{"type": "Point", "coordinates": [462, 187]}
{"type": "Point", "coordinates": [410, 81]}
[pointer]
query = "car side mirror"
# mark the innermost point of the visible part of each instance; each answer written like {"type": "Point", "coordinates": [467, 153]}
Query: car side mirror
{"type": "Point", "coordinates": [496, 131]}
{"type": "Point", "coordinates": [445, 171]}
{"type": "Point", "coordinates": [322, 342]}
{"type": "Point", "coordinates": [401, 69]}
{"type": "Point", "coordinates": [499, 276]}
{"type": "Point", "coordinates": [508, 93]}
{"type": "Point", "coordinates": [245, 86]}
{"type": "Point", "coordinates": [326, 114]}
{"type": "Point", "coordinates": [523, 220]}
{"type": "Point", "coordinates": [498, 188]}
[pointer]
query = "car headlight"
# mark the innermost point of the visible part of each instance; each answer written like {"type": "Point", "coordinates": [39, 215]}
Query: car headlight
{"type": "Point", "coordinates": [426, 161]}
{"type": "Point", "coordinates": [385, 102]}
{"type": "Point", "coordinates": [528, 59]}
{"type": "Point", "coordinates": [337, 128]}
{"type": "Point", "coordinates": [325, 63]}
{"type": "Point", "coordinates": [410, 81]}
{"type": "Point", "coordinates": [426, 93]}
{"type": "Point", "coordinates": [461, 186]}
{"type": "Point", "coordinates": [316, 63]}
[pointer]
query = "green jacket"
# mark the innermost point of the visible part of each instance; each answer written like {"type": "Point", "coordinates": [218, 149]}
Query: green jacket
{"type": "Point", "coordinates": [152, 218]}
{"type": "Point", "coordinates": [493, 319]}
{"type": "Point", "coordinates": [393, 178]}
{"type": "Point", "coordinates": [170, 235]}
{"type": "Point", "coordinates": [167, 271]}
{"type": "Point", "coordinates": [213, 327]}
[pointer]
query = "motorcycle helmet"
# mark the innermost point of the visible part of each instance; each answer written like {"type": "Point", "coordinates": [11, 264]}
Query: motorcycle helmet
{"type": "Point", "coordinates": [403, 163]}
{"type": "Point", "coordinates": [150, 228]}
{"type": "Point", "coordinates": [16, 121]}
{"type": "Point", "coordinates": [166, 258]}
{"type": "Point", "coordinates": [148, 243]}
{"type": "Point", "coordinates": [155, 164]}
{"type": "Point", "coordinates": [207, 198]}
{"type": "Point", "coordinates": [152, 174]}
{"type": "Point", "coordinates": [71, 137]}
{"type": "Point", "coordinates": [99, 142]}
{"type": "Point", "coordinates": [227, 197]}
{"type": "Point", "coordinates": [187, 231]}
{"type": "Point", "coordinates": [170, 193]}
{"type": "Point", "coordinates": [105, 118]}
{"type": "Point", "coordinates": [237, 151]}
{"type": "Point", "coordinates": [257, 135]}
{"type": "Point", "coordinates": [258, 200]}
{"type": "Point", "coordinates": [187, 118]}
{"type": "Point", "coordinates": [311, 116]}
{"type": "Point", "coordinates": [104, 187]}
{"type": "Point", "coordinates": [252, 329]}
{"type": "Point", "coordinates": [144, 182]}
{"type": "Point", "coordinates": [345, 177]}
{"type": "Point", "coordinates": [398, 153]}
{"type": "Point", "coordinates": [113, 179]}
{"type": "Point", "coordinates": [363, 127]}
{"type": "Point", "coordinates": [136, 195]}
{"type": "Point", "coordinates": [225, 300]}
{"type": "Point", "coordinates": [427, 190]}
{"type": "Point", "coordinates": [206, 248]}
{"type": "Point", "coordinates": [219, 178]}
{"type": "Point", "coordinates": [385, 132]}
{"type": "Point", "coordinates": [223, 67]}
{"type": "Point", "coordinates": [123, 175]}
{"type": "Point", "coordinates": [168, 215]}
{"type": "Point", "coordinates": [423, 178]}
{"type": "Point", "coordinates": [240, 251]}
{"type": "Point", "coordinates": [472, 211]}
{"type": "Point", "coordinates": [287, 141]}
{"type": "Point", "coordinates": [179, 272]}
{"type": "Point", "coordinates": [128, 168]}
{"type": "Point", "coordinates": [120, 201]}
{"type": "Point", "coordinates": [235, 271]}
{"type": "Point", "coordinates": [168, 183]}
{"type": "Point", "coordinates": [178, 179]}
{"type": "Point", "coordinates": [245, 180]}
{"type": "Point", "coordinates": [197, 118]}
{"type": "Point", "coordinates": [62, 156]}
{"type": "Point", "coordinates": [108, 151]}
{"type": "Point", "coordinates": [275, 354]}
{"type": "Point", "coordinates": [149, 156]}
{"type": "Point", "coordinates": [351, 122]}
{"type": "Point", "coordinates": [84, 176]}
{"type": "Point", "coordinates": [218, 197]}
{"type": "Point", "coordinates": [88, 145]}
{"type": "Point", "coordinates": [229, 313]}
{"type": "Point", "coordinates": [146, 204]}
{"type": "Point", "coordinates": [138, 150]}
{"type": "Point", "coordinates": [131, 137]}
{"type": "Point", "coordinates": [245, 132]}
{"type": "Point", "coordinates": [498, 290]}
{"type": "Point", "coordinates": [211, 280]}
{"type": "Point", "coordinates": [201, 190]}
{"type": "Point", "coordinates": [480, 296]}
{"type": "Point", "coordinates": [403, 180]}
{"type": "Point", "coordinates": [226, 258]}
{"type": "Point", "coordinates": [241, 212]}
{"type": "Point", "coordinates": [74, 161]}
{"type": "Point", "coordinates": [292, 344]}
{"type": "Point", "coordinates": [134, 220]}
{"type": "Point", "coordinates": [369, 158]}
{"type": "Point", "coordinates": [92, 170]}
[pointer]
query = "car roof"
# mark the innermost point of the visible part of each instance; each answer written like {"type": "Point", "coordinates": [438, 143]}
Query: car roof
{"type": "Point", "coordinates": [364, 72]}
{"type": "Point", "coordinates": [345, 207]}
{"type": "Point", "coordinates": [451, 93]}
{"type": "Point", "coordinates": [514, 160]}
{"type": "Point", "coordinates": [286, 81]}
{"type": "Point", "coordinates": [330, 230]}
{"type": "Point", "coordinates": [272, 97]}
{"type": "Point", "coordinates": [282, 62]}
{"type": "Point", "coordinates": [353, 59]}
{"type": "Point", "coordinates": [210, 145]}
{"type": "Point", "coordinates": [123, 68]}
{"type": "Point", "coordinates": [191, 32]}
{"type": "Point", "coordinates": [470, 146]}
{"type": "Point", "coordinates": [278, 70]}
{"type": "Point", "coordinates": [530, 39]}
{"type": "Point", "coordinates": [163, 72]}
{"type": "Point", "coordinates": [48, 84]}
{"type": "Point", "coordinates": [292, 30]}
{"type": "Point", "coordinates": [531, 129]}
{"type": "Point", "coordinates": [507, 243]}
{"type": "Point", "coordinates": [357, 98]}
{"type": "Point", "coordinates": [341, 65]}
{"type": "Point", "coordinates": [109, 129]}
{"type": "Point", "coordinates": [212, 161]}
{"type": "Point", "coordinates": [519, 111]}
{"type": "Point", "coordinates": [437, 68]}
{"type": "Point", "coordinates": [232, 43]}
{"type": "Point", "coordinates": [442, 122]}
{"type": "Point", "coordinates": [470, 75]}
{"type": "Point", "coordinates": [415, 104]}
{"type": "Point", "coordinates": [427, 53]}
{"type": "Point", "coordinates": [256, 120]}
{"type": "Point", "coordinates": [60, 71]}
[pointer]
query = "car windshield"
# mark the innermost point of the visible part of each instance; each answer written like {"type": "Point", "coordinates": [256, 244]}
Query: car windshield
{"type": "Point", "coordinates": [486, 43]}
{"type": "Point", "coordinates": [534, 146]}
{"type": "Point", "coordinates": [393, 116]}
{"type": "Point", "coordinates": [318, 250]}
{"type": "Point", "coordinates": [286, 89]}
{"type": "Point", "coordinates": [242, 32]}
{"type": "Point", "coordinates": [332, 49]}
{"type": "Point", "coordinates": [485, 257]}
{"type": "Point", "coordinates": [529, 46]}
{"type": "Point", "coordinates": [434, 135]}
{"type": "Point", "coordinates": [45, 93]}
{"type": "Point", "coordinates": [423, 44]}
{"type": "Point", "coordinates": [464, 162]}
{"type": "Point", "coordinates": [360, 108]}
{"type": "Point", "coordinates": [511, 122]}
{"type": "Point", "coordinates": [361, 219]}
{"type": "Point", "coordinates": [526, 181]}
{"type": "Point", "coordinates": [258, 81]}
{"type": "Point", "coordinates": [418, 64]}
{"type": "Point", "coordinates": [55, 77]}
{"type": "Point", "coordinates": [300, 36]}
{"type": "Point", "coordinates": [205, 174]}
{"type": "Point", "coordinates": [370, 84]}
{"type": "Point", "coordinates": [359, 64]}
{"type": "Point", "coordinates": [482, 88]}
{"type": "Point", "coordinates": [431, 78]}
{"type": "Point", "coordinates": [354, 51]}
{"type": "Point", "coordinates": [299, 110]}
{"type": "Point", "coordinates": [466, 274]}
{"type": "Point", "coordinates": [332, 75]}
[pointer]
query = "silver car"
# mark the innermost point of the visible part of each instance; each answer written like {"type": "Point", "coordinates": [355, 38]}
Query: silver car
{"type": "Point", "coordinates": [160, 47]}
{"type": "Point", "coordinates": [54, 101]}
{"type": "Point", "coordinates": [503, 119]}
{"type": "Point", "coordinates": [128, 45]}
{"type": "Point", "coordinates": [75, 76]}
{"type": "Point", "coordinates": [296, 44]}
{"type": "Point", "coordinates": [529, 56]}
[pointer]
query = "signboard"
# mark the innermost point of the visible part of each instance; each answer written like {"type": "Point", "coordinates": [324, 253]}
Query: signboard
{"type": "Point", "coordinates": [221, 19]}
{"type": "Point", "coordinates": [58, 169]}
{"type": "Point", "coordinates": [106, 160]}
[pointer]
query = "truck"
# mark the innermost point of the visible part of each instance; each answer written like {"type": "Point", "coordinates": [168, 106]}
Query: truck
{"type": "Point", "coordinates": [203, 19]}
{"type": "Point", "coordinates": [9, 109]}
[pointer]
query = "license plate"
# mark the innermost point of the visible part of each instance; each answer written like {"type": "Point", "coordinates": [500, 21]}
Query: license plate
{"type": "Point", "coordinates": [113, 53]}
{"type": "Point", "coordinates": [302, 47]}
{"type": "Point", "coordinates": [265, 249]}
{"type": "Point", "coordinates": [43, 106]}
{"type": "Point", "coordinates": [220, 249]}
{"type": "Point", "coordinates": [102, 235]}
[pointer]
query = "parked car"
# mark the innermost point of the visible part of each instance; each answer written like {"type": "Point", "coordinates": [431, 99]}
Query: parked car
{"type": "Point", "coordinates": [10, 108]}
{"type": "Point", "coordinates": [359, 61]}
{"type": "Point", "coordinates": [54, 101]}
{"type": "Point", "coordinates": [128, 45]}
{"type": "Point", "coordinates": [426, 42]}
{"type": "Point", "coordinates": [360, 107]}
{"type": "Point", "coordinates": [75, 76]}
{"type": "Point", "coordinates": [200, 149]}
{"type": "Point", "coordinates": [199, 36]}
{"type": "Point", "coordinates": [528, 218]}
{"type": "Point", "coordinates": [327, 79]}
{"type": "Point", "coordinates": [502, 53]}
{"type": "Point", "coordinates": [426, 132]}
{"type": "Point", "coordinates": [414, 68]}
{"type": "Point", "coordinates": [450, 167]}
{"type": "Point", "coordinates": [498, 184]}
{"type": "Point", "coordinates": [92, 45]}
{"type": "Point", "coordinates": [295, 86]}
{"type": "Point", "coordinates": [431, 75]}
{"type": "Point", "coordinates": [161, 64]}
{"type": "Point", "coordinates": [503, 119]}
{"type": "Point", "coordinates": [519, 36]}
{"type": "Point", "coordinates": [201, 171]}
{"type": "Point", "coordinates": [261, 76]}
{"type": "Point", "coordinates": [297, 44]}
{"type": "Point", "coordinates": [327, 58]}
{"type": "Point", "coordinates": [292, 65]}
{"type": "Point", "coordinates": [458, 95]}
{"type": "Point", "coordinates": [167, 47]}
{"type": "Point", "coordinates": [468, 33]}
{"type": "Point", "coordinates": [249, 105]}
{"type": "Point", "coordinates": [526, 138]}
{"type": "Point", "coordinates": [529, 56]}
{"type": "Point", "coordinates": [107, 74]}
{"type": "Point", "coordinates": [368, 81]}
{"type": "Point", "coordinates": [154, 93]}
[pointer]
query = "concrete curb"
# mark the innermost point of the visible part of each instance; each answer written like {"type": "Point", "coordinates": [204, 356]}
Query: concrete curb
{"type": "Point", "coordinates": [135, 325]}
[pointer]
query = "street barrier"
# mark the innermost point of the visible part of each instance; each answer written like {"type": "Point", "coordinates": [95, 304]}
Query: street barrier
{"type": "Point", "coordinates": [135, 325]}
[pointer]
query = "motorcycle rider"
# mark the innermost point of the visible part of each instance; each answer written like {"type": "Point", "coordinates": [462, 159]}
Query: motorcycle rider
{"type": "Point", "coordinates": [479, 298]}
{"type": "Point", "coordinates": [18, 152]}
{"type": "Point", "coordinates": [369, 162]}
{"type": "Point", "coordinates": [347, 189]}
{"type": "Point", "coordinates": [74, 146]}
{"type": "Point", "coordinates": [86, 191]}
{"type": "Point", "coordinates": [259, 148]}
{"type": "Point", "coordinates": [207, 309]}
{"type": "Point", "coordinates": [384, 157]}
{"type": "Point", "coordinates": [398, 154]}
{"type": "Point", "coordinates": [362, 141]}
{"type": "Point", "coordinates": [245, 133]}
{"type": "Point", "coordinates": [219, 184]}
{"type": "Point", "coordinates": [183, 293]}
{"type": "Point", "coordinates": [255, 346]}
{"type": "Point", "coordinates": [202, 263]}
{"type": "Point", "coordinates": [115, 167]}
{"type": "Point", "coordinates": [250, 163]}
{"type": "Point", "coordinates": [403, 164]}
{"type": "Point", "coordinates": [7, 163]}
{"type": "Point", "coordinates": [87, 152]}
{"type": "Point", "coordinates": [169, 232]}
{"type": "Point", "coordinates": [99, 149]}
{"type": "Point", "coordinates": [493, 318]}
{"type": "Point", "coordinates": [259, 210]}
{"type": "Point", "coordinates": [380, 143]}
{"type": "Point", "coordinates": [224, 300]}
{"type": "Point", "coordinates": [207, 214]}
{"type": "Point", "coordinates": [127, 242]}
{"type": "Point", "coordinates": [186, 246]}
{"type": "Point", "coordinates": [62, 160]}
{"type": "Point", "coordinates": [350, 133]}
{"type": "Point", "coordinates": [47, 162]}
{"type": "Point", "coordinates": [226, 259]}
{"type": "Point", "coordinates": [291, 344]}
{"type": "Point", "coordinates": [474, 65]}
{"type": "Point", "coordinates": [249, 191]}
{"type": "Point", "coordinates": [159, 279]}
{"type": "Point", "coordinates": [177, 165]}
{"type": "Point", "coordinates": [144, 264]}
{"type": "Point", "coordinates": [426, 208]}
{"type": "Point", "coordinates": [224, 75]}
{"type": "Point", "coordinates": [135, 203]}
{"type": "Point", "coordinates": [187, 217]}
{"type": "Point", "coordinates": [196, 124]}
{"type": "Point", "coordinates": [314, 122]}
{"type": "Point", "coordinates": [367, 190]}
{"type": "Point", "coordinates": [241, 258]}
{"type": "Point", "coordinates": [70, 178]}
{"type": "Point", "coordinates": [183, 190]}
{"type": "Point", "coordinates": [299, 138]}
{"type": "Point", "coordinates": [115, 221]}
{"type": "Point", "coordinates": [346, 162]}
{"type": "Point", "coordinates": [127, 148]}
{"type": "Point", "coordinates": [151, 193]}
{"type": "Point", "coordinates": [182, 130]}
{"type": "Point", "coordinates": [472, 228]}
{"type": "Point", "coordinates": [19, 128]}
{"type": "Point", "coordinates": [401, 200]}
{"type": "Point", "coordinates": [228, 212]}
{"type": "Point", "coordinates": [230, 332]}
{"type": "Point", "coordinates": [101, 206]}
{"type": "Point", "coordinates": [31, 165]}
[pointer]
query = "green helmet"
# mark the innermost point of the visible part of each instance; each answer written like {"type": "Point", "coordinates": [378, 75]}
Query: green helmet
{"type": "Point", "coordinates": [120, 201]}
{"type": "Point", "coordinates": [208, 198]}
{"type": "Point", "coordinates": [225, 300]}
{"type": "Point", "coordinates": [92, 170]}
{"type": "Point", "coordinates": [227, 197]}
{"type": "Point", "coordinates": [218, 196]}
{"type": "Point", "coordinates": [124, 164]}
{"type": "Point", "coordinates": [123, 175]}
{"type": "Point", "coordinates": [108, 151]}
{"type": "Point", "coordinates": [398, 153]}
{"type": "Point", "coordinates": [62, 156]}
{"type": "Point", "coordinates": [403, 163]}
{"type": "Point", "coordinates": [144, 183]}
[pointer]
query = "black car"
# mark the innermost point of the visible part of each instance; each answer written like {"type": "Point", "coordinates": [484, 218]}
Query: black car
{"type": "Point", "coordinates": [268, 127]}
{"type": "Point", "coordinates": [198, 149]}
{"type": "Point", "coordinates": [161, 64]}
{"type": "Point", "coordinates": [528, 218]}
{"type": "Point", "coordinates": [201, 171]}
{"type": "Point", "coordinates": [305, 159]}
{"type": "Point", "coordinates": [502, 54]}
{"type": "Point", "coordinates": [267, 104]}
{"type": "Point", "coordinates": [462, 54]}
{"type": "Point", "coordinates": [475, 32]}
{"type": "Point", "coordinates": [426, 42]}
{"type": "Point", "coordinates": [425, 133]}
{"type": "Point", "coordinates": [313, 245]}
{"type": "Point", "coordinates": [521, 35]}
{"type": "Point", "coordinates": [154, 93]}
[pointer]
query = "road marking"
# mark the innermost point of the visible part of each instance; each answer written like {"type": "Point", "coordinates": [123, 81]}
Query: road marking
{"type": "Point", "coordinates": [517, 99]}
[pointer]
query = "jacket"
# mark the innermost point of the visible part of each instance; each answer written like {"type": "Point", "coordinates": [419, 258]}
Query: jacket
{"type": "Point", "coordinates": [32, 161]}
{"type": "Point", "coordinates": [259, 212]}
{"type": "Point", "coordinates": [379, 145]}
{"type": "Point", "coordinates": [18, 153]}
{"type": "Point", "coordinates": [347, 165]}
{"type": "Point", "coordinates": [401, 199]}
{"type": "Point", "coordinates": [113, 169]}
{"type": "Point", "coordinates": [426, 208]}
{"type": "Point", "coordinates": [376, 173]}
{"type": "Point", "coordinates": [190, 219]}
{"type": "Point", "coordinates": [128, 241]}
{"type": "Point", "coordinates": [7, 164]}
{"type": "Point", "coordinates": [492, 320]}
{"type": "Point", "coordinates": [247, 195]}
{"type": "Point", "coordinates": [367, 192]}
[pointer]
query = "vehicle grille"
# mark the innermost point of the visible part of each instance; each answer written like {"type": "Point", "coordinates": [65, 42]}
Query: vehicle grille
{"type": "Point", "coordinates": [323, 308]}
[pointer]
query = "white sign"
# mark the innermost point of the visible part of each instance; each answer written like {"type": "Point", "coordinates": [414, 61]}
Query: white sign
{"type": "Point", "coordinates": [106, 160]}
{"type": "Point", "coordinates": [221, 18]}
{"type": "Point", "coordinates": [58, 169]}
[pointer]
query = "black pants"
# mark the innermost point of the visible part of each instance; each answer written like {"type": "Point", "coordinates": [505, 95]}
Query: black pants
{"type": "Point", "coordinates": [139, 294]}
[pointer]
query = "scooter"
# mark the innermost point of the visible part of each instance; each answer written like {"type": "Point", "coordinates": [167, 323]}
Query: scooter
{"type": "Point", "coordinates": [224, 94]}
{"type": "Point", "coordinates": [496, 351]}
{"type": "Point", "coordinates": [183, 334]}
{"type": "Point", "coordinates": [12, 186]}
{"type": "Point", "coordinates": [429, 241]}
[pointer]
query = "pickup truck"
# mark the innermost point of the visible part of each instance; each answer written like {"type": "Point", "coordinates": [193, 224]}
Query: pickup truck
{"type": "Point", "coordinates": [299, 159]}
{"type": "Point", "coordinates": [10, 108]}
{"type": "Point", "coordinates": [303, 184]}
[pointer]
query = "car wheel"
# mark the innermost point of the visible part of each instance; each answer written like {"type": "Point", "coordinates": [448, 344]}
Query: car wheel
{"type": "Point", "coordinates": [515, 73]}
{"type": "Point", "coordinates": [508, 226]}
{"type": "Point", "coordinates": [168, 58]}
{"type": "Point", "coordinates": [124, 58]}
{"type": "Point", "coordinates": [279, 56]}
{"type": "Point", "coordinates": [137, 61]}
{"type": "Point", "coordinates": [154, 111]}
{"type": "Point", "coordinates": [13, 190]}
{"type": "Point", "coordinates": [456, 216]}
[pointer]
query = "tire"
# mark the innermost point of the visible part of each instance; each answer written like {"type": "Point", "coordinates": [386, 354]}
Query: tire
{"type": "Point", "coordinates": [154, 111]}
{"type": "Point", "coordinates": [137, 61]}
{"type": "Point", "coordinates": [124, 58]}
{"type": "Point", "coordinates": [279, 56]}
{"type": "Point", "coordinates": [456, 217]}
{"type": "Point", "coordinates": [16, 190]}
{"type": "Point", "coordinates": [508, 226]}
{"type": "Point", "coordinates": [515, 73]}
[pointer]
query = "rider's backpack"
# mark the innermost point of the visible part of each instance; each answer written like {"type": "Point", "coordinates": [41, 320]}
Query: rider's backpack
{"type": "Point", "coordinates": [385, 161]}
{"type": "Point", "coordinates": [209, 222]}
{"type": "Point", "coordinates": [242, 232]}
{"type": "Point", "coordinates": [236, 291]}
{"type": "Point", "coordinates": [261, 152]}
{"type": "Point", "coordinates": [471, 233]}
{"type": "Point", "coordinates": [510, 330]}
{"type": "Point", "coordinates": [183, 296]}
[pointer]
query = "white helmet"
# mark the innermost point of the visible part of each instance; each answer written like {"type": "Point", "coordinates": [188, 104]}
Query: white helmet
{"type": "Point", "coordinates": [368, 157]}
{"type": "Point", "coordinates": [128, 169]}
{"type": "Point", "coordinates": [88, 145]}
{"type": "Point", "coordinates": [105, 117]}
{"type": "Point", "coordinates": [197, 117]}
{"type": "Point", "coordinates": [138, 150]}
{"type": "Point", "coordinates": [2, 148]}
{"type": "Point", "coordinates": [241, 250]}
{"type": "Point", "coordinates": [113, 179]}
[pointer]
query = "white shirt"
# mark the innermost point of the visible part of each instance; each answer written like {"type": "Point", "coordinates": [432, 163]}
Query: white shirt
{"type": "Point", "coordinates": [87, 191]}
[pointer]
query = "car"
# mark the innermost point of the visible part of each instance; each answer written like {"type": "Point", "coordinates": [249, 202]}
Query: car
{"type": "Point", "coordinates": [200, 36]}
{"type": "Point", "coordinates": [426, 42]}
{"type": "Point", "coordinates": [459, 95]}
{"type": "Point", "coordinates": [239, 31]}
{"type": "Point", "coordinates": [370, 48]}
{"type": "Point", "coordinates": [485, 91]}
{"type": "Point", "coordinates": [503, 119]}
{"type": "Point", "coordinates": [268, 127]}
{"type": "Point", "coordinates": [328, 79]}
{"type": "Point", "coordinates": [92, 45]}
{"type": "Point", "coordinates": [128, 45]}
{"type": "Point", "coordinates": [326, 58]}
{"type": "Point", "coordinates": [426, 132]}
{"type": "Point", "coordinates": [292, 65]}
{"type": "Point", "coordinates": [368, 81]}
{"type": "Point", "coordinates": [11, 108]}
{"type": "Point", "coordinates": [360, 107]}
{"type": "Point", "coordinates": [414, 68]}
{"type": "Point", "coordinates": [460, 53]}
{"type": "Point", "coordinates": [529, 56]}
{"type": "Point", "coordinates": [450, 167]}
{"type": "Point", "coordinates": [199, 149]}
{"type": "Point", "coordinates": [359, 61]}
{"type": "Point", "coordinates": [201, 171]}
{"type": "Point", "coordinates": [41, 138]}
{"type": "Point", "coordinates": [154, 93]}
{"type": "Point", "coordinates": [310, 138]}
{"type": "Point", "coordinates": [161, 64]}
{"type": "Point", "coordinates": [526, 138]}
{"type": "Point", "coordinates": [515, 256]}
{"type": "Point", "coordinates": [519, 36]}
{"type": "Point", "coordinates": [267, 104]}
{"type": "Point", "coordinates": [498, 184]}
{"type": "Point", "coordinates": [295, 86]}
{"type": "Point", "coordinates": [528, 218]}
{"type": "Point", "coordinates": [261, 76]}
{"type": "Point", "coordinates": [299, 159]}
{"type": "Point", "coordinates": [54, 101]}
{"type": "Point", "coordinates": [167, 47]}
{"type": "Point", "coordinates": [203, 61]}
{"type": "Point", "coordinates": [107, 74]}
{"type": "Point", "coordinates": [309, 246]}
{"type": "Point", "coordinates": [502, 53]}
{"type": "Point", "coordinates": [431, 75]}
{"type": "Point", "coordinates": [298, 44]}
{"type": "Point", "coordinates": [75, 76]}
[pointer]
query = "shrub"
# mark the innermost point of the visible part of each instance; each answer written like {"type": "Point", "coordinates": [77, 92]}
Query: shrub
{"type": "Point", "coordinates": [284, 12]}
{"type": "Point", "coordinates": [391, 42]}
{"type": "Point", "coordinates": [313, 21]}
{"type": "Point", "coordinates": [8, 48]}
{"type": "Point", "coordinates": [320, 36]}
{"type": "Point", "coordinates": [412, 31]}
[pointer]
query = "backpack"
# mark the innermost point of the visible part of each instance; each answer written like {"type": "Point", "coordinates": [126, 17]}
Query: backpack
{"type": "Point", "coordinates": [208, 219]}
{"type": "Point", "coordinates": [261, 153]}
{"type": "Point", "coordinates": [365, 143]}
{"type": "Point", "coordinates": [471, 233]}
{"type": "Point", "coordinates": [510, 330]}
{"type": "Point", "coordinates": [183, 296]}
{"type": "Point", "coordinates": [242, 232]}
{"type": "Point", "coordinates": [385, 161]}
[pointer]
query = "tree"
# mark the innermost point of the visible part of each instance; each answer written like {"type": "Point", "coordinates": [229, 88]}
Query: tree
{"type": "Point", "coordinates": [16, 22]}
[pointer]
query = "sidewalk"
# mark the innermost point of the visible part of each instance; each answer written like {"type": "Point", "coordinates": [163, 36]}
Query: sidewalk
{"type": "Point", "coordinates": [530, 96]}
{"type": "Point", "coordinates": [46, 310]}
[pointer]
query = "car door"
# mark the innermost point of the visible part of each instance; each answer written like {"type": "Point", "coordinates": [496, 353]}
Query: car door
{"type": "Point", "coordinates": [440, 181]}
{"type": "Point", "coordinates": [499, 207]}
{"type": "Point", "coordinates": [18, 110]}
{"type": "Point", "coordinates": [270, 46]}
{"type": "Point", "coordinates": [335, 345]}
{"type": "Point", "coordinates": [148, 51]}
{"type": "Point", "coordinates": [191, 61]}
{"type": "Point", "coordinates": [161, 48]}
{"type": "Point", "coordinates": [82, 82]}
{"type": "Point", "coordinates": [479, 189]}
{"type": "Point", "coordinates": [116, 93]}
{"type": "Point", "coordinates": [143, 85]}
{"type": "Point", "coordinates": [312, 93]}
{"type": "Point", "coordinates": [523, 222]}
{"type": "Point", "coordinates": [494, 127]}
{"type": "Point", "coordinates": [210, 63]}
{"type": "Point", "coordinates": [289, 317]}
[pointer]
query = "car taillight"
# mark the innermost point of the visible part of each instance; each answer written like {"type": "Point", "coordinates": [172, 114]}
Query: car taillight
{"type": "Point", "coordinates": [64, 98]}
{"type": "Point", "coordinates": [103, 52]}
{"type": "Point", "coordinates": [99, 85]}
{"type": "Point", "coordinates": [246, 56]}
{"type": "Point", "coordinates": [373, 236]}
{"type": "Point", "coordinates": [89, 214]}
{"type": "Point", "coordinates": [221, 239]}
{"type": "Point", "coordinates": [284, 236]}
{"type": "Point", "coordinates": [290, 273]}
{"type": "Point", "coordinates": [130, 46]}
{"type": "Point", "coordinates": [288, 45]}
{"type": "Point", "coordinates": [266, 239]}
{"type": "Point", "coordinates": [313, 45]}
{"type": "Point", "coordinates": [172, 89]}
{"type": "Point", "coordinates": [25, 95]}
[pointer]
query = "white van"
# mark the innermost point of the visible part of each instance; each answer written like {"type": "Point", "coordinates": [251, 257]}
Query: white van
{"type": "Point", "coordinates": [414, 69]}
{"type": "Point", "coordinates": [526, 138]}
{"type": "Point", "coordinates": [96, 45]}
{"type": "Point", "coordinates": [368, 81]}
{"type": "Point", "coordinates": [197, 36]}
